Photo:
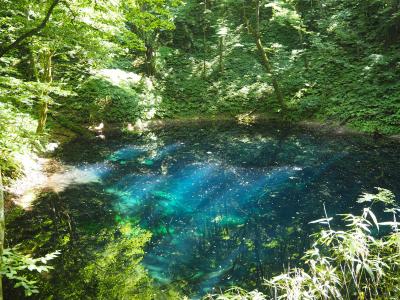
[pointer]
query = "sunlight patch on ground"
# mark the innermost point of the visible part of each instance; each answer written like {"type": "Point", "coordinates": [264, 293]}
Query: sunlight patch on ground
{"type": "Point", "coordinates": [118, 77]}
{"type": "Point", "coordinates": [23, 190]}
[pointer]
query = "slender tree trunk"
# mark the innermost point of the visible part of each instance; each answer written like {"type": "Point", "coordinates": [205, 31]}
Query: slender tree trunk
{"type": "Point", "coordinates": [48, 78]}
{"type": "Point", "coordinates": [30, 33]}
{"type": "Point", "coordinates": [34, 69]}
{"type": "Point", "coordinates": [268, 68]}
{"type": "Point", "coordinates": [204, 39]}
{"type": "Point", "coordinates": [223, 31]}
{"type": "Point", "coordinates": [2, 229]}
{"type": "Point", "coordinates": [304, 47]}
{"type": "Point", "coordinates": [150, 60]}
{"type": "Point", "coordinates": [264, 57]}
{"type": "Point", "coordinates": [42, 117]}
{"type": "Point", "coordinates": [258, 18]}
{"type": "Point", "coordinates": [221, 54]}
{"type": "Point", "coordinates": [245, 20]}
{"type": "Point", "coordinates": [204, 53]}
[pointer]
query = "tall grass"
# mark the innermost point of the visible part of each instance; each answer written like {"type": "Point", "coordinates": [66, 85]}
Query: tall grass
{"type": "Point", "coordinates": [361, 261]}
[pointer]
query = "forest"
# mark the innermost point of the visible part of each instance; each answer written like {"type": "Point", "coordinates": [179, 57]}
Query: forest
{"type": "Point", "coordinates": [199, 149]}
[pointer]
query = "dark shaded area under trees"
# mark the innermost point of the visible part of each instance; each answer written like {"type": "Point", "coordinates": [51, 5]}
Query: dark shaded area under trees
{"type": "Point", "coordinates": [67, 65]}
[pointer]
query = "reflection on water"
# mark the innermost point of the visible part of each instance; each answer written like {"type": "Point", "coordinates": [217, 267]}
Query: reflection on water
{"type": "Point", "coordinates": [58, 182]}
{"type": "Point", "coordinates": [227, 205]}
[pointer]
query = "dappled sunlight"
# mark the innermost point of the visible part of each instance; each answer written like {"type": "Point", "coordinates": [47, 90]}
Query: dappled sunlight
{"type": "Point", "coordinates": [179, 206]}
{"type": "Point", "coordinates": [128, 94]}
{"type": "Point", "coordinates": [58, 182]}
{"type": "Point", "coordinates": [120, 77]}
{"type": "Point", "coordinates": [172, 149]}
{"type": "Point", "coordinates": [38, 178]}
{"type": "Point", "coordinates": [220, 204]}
{"type": "Point", "coordinates": [24, 190]}
{"type": "Point", "coordinates": [246, 119]}
{"type": "Point", "coordinates": [50, 176]}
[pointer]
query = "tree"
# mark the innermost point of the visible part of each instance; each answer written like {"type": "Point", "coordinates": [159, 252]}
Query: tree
{"type": "Point", "coordinates": [79, 31]}
{"type": "Point", "coordinates": [205, 24]}
{"type": "Point", "coordinates": [32, 32]}
{"type": "Point", "coordinates": [47, 78]}
{"type": "Point", "coordinates": [147, 20]}
{"type": "Point", "coordinates": [263, 54]}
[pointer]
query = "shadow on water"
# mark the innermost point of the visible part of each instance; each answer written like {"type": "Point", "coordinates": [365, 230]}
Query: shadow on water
{"type": "Point", "coordinates": [70, 221]}
{"type": "Point", "coordinates": [226, 205]}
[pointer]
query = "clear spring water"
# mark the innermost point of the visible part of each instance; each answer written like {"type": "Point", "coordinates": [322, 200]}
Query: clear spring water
{"type": "Point", "coordinates": [227, 204]}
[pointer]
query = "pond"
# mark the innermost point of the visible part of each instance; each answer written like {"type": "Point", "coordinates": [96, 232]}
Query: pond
{"type": "Point", "coordinates": [226, 204]}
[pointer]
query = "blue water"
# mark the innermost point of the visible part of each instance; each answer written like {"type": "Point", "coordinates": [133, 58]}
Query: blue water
{"type": "Point", "coordinates": [227, 204]}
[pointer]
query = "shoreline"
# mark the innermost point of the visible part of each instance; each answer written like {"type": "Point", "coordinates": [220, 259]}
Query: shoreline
{"type": "Point", "coordinates": [42, 173]}
{"type": "Point", "coordinates": [325, 127]}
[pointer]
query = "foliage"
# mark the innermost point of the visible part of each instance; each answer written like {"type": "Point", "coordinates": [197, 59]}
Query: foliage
{"type": "Point", "coordinates": [334, 61]}
{"type": "Point", "coordinates": [14, 266]}
{"type": "Point", "coordinates": [106, 102]}
{"type": "Point", "coordinates": [115, 96]}
{"type": "Point", "coordinates": [17, 126]}
{"type": "Point", "coordinates": [238, 294]}
{"type": "Point", "coordinates": [360, 262]}
{"type": "Point", "coordinates": [80, 36]}
{"type": "Point", "coordinates": [327, 69]}
{"type": "Point", "coordinates": [147, 20]}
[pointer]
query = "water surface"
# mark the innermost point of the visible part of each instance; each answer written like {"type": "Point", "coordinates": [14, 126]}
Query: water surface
{"type": "Point", "coordinates": [226, 204]}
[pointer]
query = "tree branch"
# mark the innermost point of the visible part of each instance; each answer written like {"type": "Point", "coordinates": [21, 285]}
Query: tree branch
{"type": "Point", "coordinates": [32, 32]}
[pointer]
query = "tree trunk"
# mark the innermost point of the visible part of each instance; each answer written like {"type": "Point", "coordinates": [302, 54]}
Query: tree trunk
{"type": "Point", "coordinates": [304, 47]}
{"type": "Point", "coordinates": [204, 53]}
{"type": "Point", "coordinates": [2, 229]}
{"type": "Point", "coordinates": [257, 18]}
{"type": "Point", "coordinates": [204, 39]}
{"type": "Point", "coordinates": [264, 57]}
{"type": "Point", "coordinates": [34, 69]}
{"type": "Point", "coordinates": [268, 68]}
{"type": "Point", "coordinates": [42, 116]}
{"type": "Point", "coordinates": [245, 20]}
{"type": "Point", "coordinates": [48, 78]}
{"type": "Point", "coordinates": [221, 54]}
{"type": "Point", "coordinates": [150, 66]}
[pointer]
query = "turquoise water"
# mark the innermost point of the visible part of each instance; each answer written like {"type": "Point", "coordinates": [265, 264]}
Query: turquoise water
{"type": "Point", "coordinates": [227, 204]}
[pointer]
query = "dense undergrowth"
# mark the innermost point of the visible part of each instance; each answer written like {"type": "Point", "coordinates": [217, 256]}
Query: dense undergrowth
{"type": "Point", "coordinates": [333, 61]}
{"type": "Point", "coordinates": [328, 69]}
{"type": "Point", "coordinates": [128, 61]}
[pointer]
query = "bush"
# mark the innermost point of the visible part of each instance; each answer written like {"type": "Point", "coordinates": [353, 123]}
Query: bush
{"type": "Point", "coordinates": [100, 100]}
